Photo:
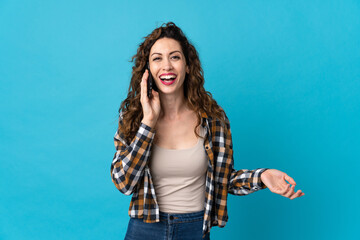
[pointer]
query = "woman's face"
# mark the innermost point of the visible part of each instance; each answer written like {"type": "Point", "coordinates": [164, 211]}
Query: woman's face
{"type": "Point", "coordinates": [168, 65]}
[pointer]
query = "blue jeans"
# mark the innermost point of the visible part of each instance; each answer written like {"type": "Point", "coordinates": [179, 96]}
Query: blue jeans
{"type": "Point", "coordinates": [185, 226]}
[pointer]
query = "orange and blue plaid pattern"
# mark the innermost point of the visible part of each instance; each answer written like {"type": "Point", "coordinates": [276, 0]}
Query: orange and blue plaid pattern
{"type": "Point", "coordinates": [131, 174]}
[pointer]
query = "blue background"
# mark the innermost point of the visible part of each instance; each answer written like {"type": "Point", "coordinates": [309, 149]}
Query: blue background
{"type": "Point", "coordinates": [286, 73]}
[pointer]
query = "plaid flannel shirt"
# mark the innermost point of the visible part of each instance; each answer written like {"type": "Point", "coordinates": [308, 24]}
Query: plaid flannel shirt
{"type": "Point", "coordinates": [131, 174]}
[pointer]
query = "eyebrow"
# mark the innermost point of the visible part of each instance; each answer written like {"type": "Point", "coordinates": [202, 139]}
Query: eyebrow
{"type": "Point", "coordinates": [170, 53]}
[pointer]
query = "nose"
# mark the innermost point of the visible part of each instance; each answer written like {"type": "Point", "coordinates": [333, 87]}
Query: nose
{"type": "Point", "coordinates": [167, 65]}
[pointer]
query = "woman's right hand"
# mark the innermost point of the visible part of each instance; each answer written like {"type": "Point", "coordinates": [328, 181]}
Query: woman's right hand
{"type": "Point", "coordinates": [151, 107]}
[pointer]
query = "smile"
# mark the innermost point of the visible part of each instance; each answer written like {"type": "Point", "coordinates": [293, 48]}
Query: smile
{"type": "Point", "coordinates": [169, 81]}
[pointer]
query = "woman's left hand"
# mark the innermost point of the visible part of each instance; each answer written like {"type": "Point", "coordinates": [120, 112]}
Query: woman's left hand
{"type": "Point", "coordinates": [275, 181]}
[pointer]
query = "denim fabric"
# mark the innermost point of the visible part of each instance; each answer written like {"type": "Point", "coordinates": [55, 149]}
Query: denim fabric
{"type": "Point", "coordinates": [172, 226]}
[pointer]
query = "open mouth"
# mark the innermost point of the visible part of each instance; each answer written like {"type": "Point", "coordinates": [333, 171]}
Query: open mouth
{"type": "Point", "coordinates": [168, 79]}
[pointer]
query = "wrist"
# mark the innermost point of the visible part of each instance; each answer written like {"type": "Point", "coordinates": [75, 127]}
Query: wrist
{"type": "Point", "coordinates": [148, 122]}
{"type": "Point", "coordinates": [263, 175]}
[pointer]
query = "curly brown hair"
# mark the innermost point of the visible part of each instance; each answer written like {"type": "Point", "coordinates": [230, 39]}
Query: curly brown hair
{"type": "Point", "coordinates": [196, 97]}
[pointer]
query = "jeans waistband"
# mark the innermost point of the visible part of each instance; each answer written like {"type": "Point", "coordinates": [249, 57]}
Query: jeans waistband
{"type": "Point", "coordinates": [181, 216]}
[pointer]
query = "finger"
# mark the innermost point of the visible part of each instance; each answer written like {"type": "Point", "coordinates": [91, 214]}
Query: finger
{"type": "Point", "coordinates": [143, 85]}
{"type": "Point", "coordinates": [142, 98]}
{"type": "Point", "coordinates": [154, 93]}
{"type": "Point", "coordinates": [290, 179]}
{"type": "Point", "coordinates": [285, 190]}
{"type": "Point", "coordinates": [297, 194]}
{"type": "Point", "coordinates": [291, 192]}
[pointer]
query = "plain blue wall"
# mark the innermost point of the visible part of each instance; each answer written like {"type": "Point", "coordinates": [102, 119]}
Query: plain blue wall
{"type": "Point", "coordinates": [287, 74]}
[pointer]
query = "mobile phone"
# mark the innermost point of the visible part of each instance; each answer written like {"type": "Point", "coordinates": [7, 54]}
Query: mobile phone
{"type": "Point", "coordinates": [150, 83]}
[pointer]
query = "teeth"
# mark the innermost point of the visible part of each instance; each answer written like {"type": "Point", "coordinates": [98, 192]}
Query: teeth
{"type": "Point", "coordinates": [167, 77]}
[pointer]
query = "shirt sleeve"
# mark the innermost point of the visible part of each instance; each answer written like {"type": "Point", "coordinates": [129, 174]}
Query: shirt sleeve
{"type": "Point", "coordinates": [244, 181]}
{"type": "Point", "coordinates": [129, 161]}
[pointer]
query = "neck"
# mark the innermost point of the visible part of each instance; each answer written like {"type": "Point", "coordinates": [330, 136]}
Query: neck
{"type": "Point", "coordinates": [172, 106]}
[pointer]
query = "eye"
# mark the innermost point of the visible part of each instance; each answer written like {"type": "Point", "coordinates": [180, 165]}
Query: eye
{"type": "Point", "coordinates": [157, 58]}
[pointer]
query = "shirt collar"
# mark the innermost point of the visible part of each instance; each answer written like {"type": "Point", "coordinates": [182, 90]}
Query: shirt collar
{"type": "Point", "coordinates": [204, 116]}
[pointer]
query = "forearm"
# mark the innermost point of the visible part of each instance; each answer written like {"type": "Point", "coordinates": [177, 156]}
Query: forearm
{"type": "Point", "coordinates": [243, 182]}
{"type": "Point", "coordinates": [130, 160]}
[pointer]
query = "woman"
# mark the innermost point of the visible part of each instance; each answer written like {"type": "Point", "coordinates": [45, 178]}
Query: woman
{"type": "Point", "coordinates": [174, 150]}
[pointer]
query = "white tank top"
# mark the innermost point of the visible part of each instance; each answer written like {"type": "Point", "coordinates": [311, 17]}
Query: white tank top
{"type": "Point", "coordinates": [179, 177]}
